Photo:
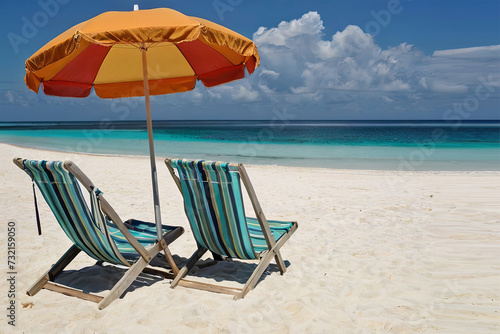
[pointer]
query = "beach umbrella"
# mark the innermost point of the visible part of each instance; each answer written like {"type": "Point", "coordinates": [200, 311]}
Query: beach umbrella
{"type": "Point", "coordinates": [140, 53]}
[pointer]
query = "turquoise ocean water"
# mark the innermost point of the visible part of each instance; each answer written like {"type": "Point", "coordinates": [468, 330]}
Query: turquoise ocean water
{"type": "Point", "coordinates": [392, 145]}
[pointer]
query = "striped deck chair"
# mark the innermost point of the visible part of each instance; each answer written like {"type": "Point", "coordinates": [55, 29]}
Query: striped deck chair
{"type": "Point", "coordinates": [98, 231]}
{"type": "Point", "coordinates": [214, 206]}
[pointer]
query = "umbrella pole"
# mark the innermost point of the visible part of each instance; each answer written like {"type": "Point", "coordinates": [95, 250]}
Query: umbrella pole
{"type": "Point", "coordinates": [154, 176]}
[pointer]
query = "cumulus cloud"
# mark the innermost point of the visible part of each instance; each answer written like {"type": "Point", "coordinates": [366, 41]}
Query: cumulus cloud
{"type": "Point", "coordinates": [283, 35]}
{"type": "Point", "coordinates": [302, 62]}
{"type": "Point", "coordinates": [352, 70]}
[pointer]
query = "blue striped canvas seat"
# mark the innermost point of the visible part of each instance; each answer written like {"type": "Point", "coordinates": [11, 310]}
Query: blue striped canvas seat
{"type": "Point", "coordinates": [144, 232]}
{"type": "Point", "coordinates": [81, 223]}
{"type": "Point", "coordinates": [278, 228]}
{"type": "Point", "coordinates": [214, 206]}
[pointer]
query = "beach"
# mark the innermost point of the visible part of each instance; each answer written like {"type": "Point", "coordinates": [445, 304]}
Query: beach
{"type": "Point", "coordinates": [376, 251]}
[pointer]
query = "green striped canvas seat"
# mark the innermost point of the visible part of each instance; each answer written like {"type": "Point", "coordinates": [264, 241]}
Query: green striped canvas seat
{"type": "Point", "coordinates": [144, 232]}
{"type": "Point", "coordinates": [83, 224]}
{"type": "Point", "coordinates": [214, 206]}
{"type": "Point", "coordinates": [278, 228]}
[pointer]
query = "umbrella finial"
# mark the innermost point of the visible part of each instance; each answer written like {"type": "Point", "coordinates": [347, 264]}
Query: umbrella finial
{"type": "Point", "coordinates": [136, 7]}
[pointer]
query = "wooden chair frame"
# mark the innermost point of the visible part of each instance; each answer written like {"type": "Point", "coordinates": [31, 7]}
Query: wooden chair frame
{"type": "Point", "coordinates": [265, 258]}
{"type": "Point", "coordinates": [46, 281]}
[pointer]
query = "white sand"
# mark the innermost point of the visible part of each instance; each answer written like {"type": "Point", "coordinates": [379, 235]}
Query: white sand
{"type": "Point", "coordinates": [376, 251]}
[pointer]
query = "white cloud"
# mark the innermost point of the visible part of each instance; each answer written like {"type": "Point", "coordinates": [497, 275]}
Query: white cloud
{"type": "Point", "coordinates": [446, 87]}
{"type": "Point", "coordinates": [268, 73]}
{"type": "Point", "coordinates": [353, 72]}
{"type": "Point", "coordinates": [386, 99]}
{"type": "Point", "coordinates": [14, 97]}
{"type": "Point", "coordinates": [492, 51]}
{"type": "Point", "coordinates": [309, 24]}
{"type": "Point", "coordinates": [244, 94]}
{"type": "Point", "coordinates": [302, 62]}
{"type": "Point", "coordinates": [9, 96]}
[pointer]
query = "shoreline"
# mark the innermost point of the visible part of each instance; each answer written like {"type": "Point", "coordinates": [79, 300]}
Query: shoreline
{"type": "Point", "coordinates": [257, 164]}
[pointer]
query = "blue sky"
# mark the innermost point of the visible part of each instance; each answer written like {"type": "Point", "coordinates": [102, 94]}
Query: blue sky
{"type": "Point", "coordinates": [366, 59]}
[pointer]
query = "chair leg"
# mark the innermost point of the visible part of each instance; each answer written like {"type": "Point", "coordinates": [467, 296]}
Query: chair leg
{"type": "Point", "coordinates": [168, 257]}
{"type": "Point", "coordinates": [54, 271]}
{"type": "Point", "coordinates": [280, 262]}
{"type": "Point", "coordinates": [277, 257]}
{"type": "Point", "coordinates": [217, 257]}
{"type": "Point", "coordinates": [264, 262]}
{"type": "Point", "coordinates": [165, 241]}
{"type": "Point", "coordinates": [139, 266]}
{"type": "Point", "coordinates": [119, 287]}
{"type": "Point", "coordinates": [123, 283]}
{"type": "Point", "coordinates": [257, 273]}
{"type": "Point", "coordinates": [189, 265]}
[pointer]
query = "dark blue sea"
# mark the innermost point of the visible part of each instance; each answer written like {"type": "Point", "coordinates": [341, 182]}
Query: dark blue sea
{"type": "Point", "coordinates": [392, 145]}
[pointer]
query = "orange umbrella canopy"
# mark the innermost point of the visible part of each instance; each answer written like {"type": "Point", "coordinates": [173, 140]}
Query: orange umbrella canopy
{"type": "Point", "coordinates": [105, 53]}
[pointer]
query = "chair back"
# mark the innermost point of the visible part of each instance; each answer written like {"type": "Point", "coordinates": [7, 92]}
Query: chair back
{"type": "Point", "coordinates": [214, 206]}
{"type": "Point", "coordinates": [62, 192]}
